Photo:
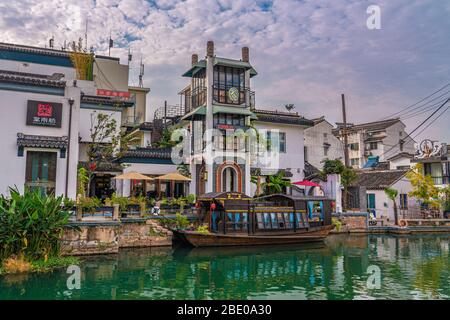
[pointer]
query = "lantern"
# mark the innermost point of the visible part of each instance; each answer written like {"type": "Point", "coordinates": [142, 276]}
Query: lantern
{"type": "Point", "coordinates": [213, 206]}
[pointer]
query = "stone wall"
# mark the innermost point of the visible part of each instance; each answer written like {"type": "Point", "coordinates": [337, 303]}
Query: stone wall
{"type": "Point", "coordinates": [86, 238]}
{"type": "Point", "coordinates": [91, 238]}
{"type": "Point", "coordinates": [143, 233]}
{"type": "Point", "coordinates": [352, 222]}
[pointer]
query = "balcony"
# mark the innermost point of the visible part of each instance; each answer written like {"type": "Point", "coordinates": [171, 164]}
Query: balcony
{"type": "Point", "coordinates": [131, 121]}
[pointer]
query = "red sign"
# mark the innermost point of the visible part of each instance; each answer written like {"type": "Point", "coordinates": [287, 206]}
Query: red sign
{"type": "Point", "coordinates": [44, 110]}
{"type": "Point", "coordinates": [225, 126]}
{"type": "Point", "coordinates": [40, 113]}
{"type": "Point", "coordinates": [110, 93]}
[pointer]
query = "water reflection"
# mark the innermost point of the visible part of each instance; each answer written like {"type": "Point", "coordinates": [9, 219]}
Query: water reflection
{"type": "Point", "coordinates": [412, 267]}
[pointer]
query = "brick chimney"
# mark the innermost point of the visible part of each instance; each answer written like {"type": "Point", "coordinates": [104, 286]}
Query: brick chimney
{"type": "Point", "coordinates": [210, 48]}
{"type": "Point", "coordinates": [194, 59]}
{"type": "Point", "coordinates": [245, 54]}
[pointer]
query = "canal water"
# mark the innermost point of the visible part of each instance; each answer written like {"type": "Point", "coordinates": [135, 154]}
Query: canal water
{"type": "Point", "coordinates": [344, 267]}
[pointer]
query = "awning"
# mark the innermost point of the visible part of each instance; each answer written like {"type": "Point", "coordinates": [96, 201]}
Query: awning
{"type": "Point", "coordinates": [132, 176]}
{"type": "Point", "coordinates": [174, 176]}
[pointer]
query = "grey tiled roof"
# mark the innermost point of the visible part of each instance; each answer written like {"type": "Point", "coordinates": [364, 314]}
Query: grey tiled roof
{"type": "Point", "coordinates": [149, 153]}
{"type": "Point", "coordinates": [35, 141]}
{"type": "Point", "coordinates": [31, 49]}
{"type": "Point", "coordinates": [378, 179]}
{"type": "Point", "coordinates": [30, 78]}
{"type": "Point", "coordinates": [369, 126]}
{"type": "Point", "coordinates": [281, 117]}
{"type": "Point", "coordinates": [108, 101]}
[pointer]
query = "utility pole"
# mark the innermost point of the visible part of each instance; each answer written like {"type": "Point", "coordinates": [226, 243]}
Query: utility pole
{"type": "Point", "coordinates": [344, 118]}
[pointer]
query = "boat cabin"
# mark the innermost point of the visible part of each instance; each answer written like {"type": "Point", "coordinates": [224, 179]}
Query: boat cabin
{"type": "Point", "coordinates": [237, 213]}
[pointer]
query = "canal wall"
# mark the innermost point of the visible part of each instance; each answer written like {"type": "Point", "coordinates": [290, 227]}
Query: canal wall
{"type": "Point", "coordinates": [352, 222]}
{"type": "Point", "coordinates": [104, 237]}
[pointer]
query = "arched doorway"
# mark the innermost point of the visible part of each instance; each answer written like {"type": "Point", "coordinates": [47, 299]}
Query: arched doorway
{"type": "Point", "coordinates": [229, 177]}
{"type": "Point", "coordinates": [229, 180]}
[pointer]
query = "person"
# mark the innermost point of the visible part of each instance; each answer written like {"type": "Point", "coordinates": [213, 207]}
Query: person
{"type": "Point", "coordinates": [156, 208]}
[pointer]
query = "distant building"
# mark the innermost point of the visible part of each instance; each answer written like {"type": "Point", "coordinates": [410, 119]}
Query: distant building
{"type": "Point", "coordinates": [321, 144]}
{"type": "Point", "coordinates": [382, 139]}
{"type": "Point", "coordinates": [374, 182]}
{"type": "Point", "coordinates": [437, 166]}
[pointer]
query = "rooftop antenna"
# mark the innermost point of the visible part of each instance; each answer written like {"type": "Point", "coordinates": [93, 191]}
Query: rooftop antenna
{"type": "Point", "coordinates": [141, 75]}
{"type": "Point", "coordinates": [86, 35]}
{"type": "Point", "coordinates": [111, 43]}
{"type": "Point", "coordinates": [130, 56]}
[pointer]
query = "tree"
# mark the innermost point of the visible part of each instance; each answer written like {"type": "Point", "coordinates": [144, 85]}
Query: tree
{"type": "Point", "coordinates": [333, 167]}
{"type": "Point", "coordinates": [166, 140]}
{"type": "Point", "coordinates": [348, 176]}
{"type": "Point", "coordinates": [275, 183]}
{"type": "Point", "coordinates": [392, 194]}
{"type": "Point", "coordinates": [108, 142]}
{"type": "Point", "coordinates": [423, 187]}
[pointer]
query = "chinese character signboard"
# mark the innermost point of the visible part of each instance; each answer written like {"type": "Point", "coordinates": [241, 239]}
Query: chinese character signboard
{"type": "Point", "coordinates": [41, 113]}
{"type": "Point", "coordinates": [110, 93]}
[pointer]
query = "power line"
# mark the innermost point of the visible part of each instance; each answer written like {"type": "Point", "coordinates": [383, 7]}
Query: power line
{"type": "Point", "coordinates": [424, 110]}
{"type": "Point", "coordinates": [432, 121]}
{"type": "Point", "coordinates": [412, 105]}
{"type": "Point", "coordinates": [421, 124]}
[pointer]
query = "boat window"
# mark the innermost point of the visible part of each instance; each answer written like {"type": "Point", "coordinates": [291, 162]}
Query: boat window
{"type": "Point", "coordinates": [273, 218]}
{"type": "Point", "coordinates": [299, 220]}
{"type": "Point", "coordinates": [315, 210]}
{"type": "Point", "coordinates": [291, 220]}
{"type": "Point", "coordinates": [287, 220]}
{"type": "Point", "coordinates": [266, 221]}
{"type": "Point", "coordinates": [245, 221]}
{"type": "Point", "coordinates": [280, 218]}
{"type": "Point", "coordinates": [259, 218]}
{"type": "Point", "coordinates": [237, 224]}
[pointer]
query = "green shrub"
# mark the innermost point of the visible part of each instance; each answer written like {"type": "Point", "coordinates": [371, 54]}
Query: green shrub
{"type": "Point", "coordinates": [337, 224]}
{"type": "Point", "coordinates": [89, 204]}
{"type": "Point", "coordinates": [190, 198]}
{"type": "Point", "coordinates": [121, 201]}
{"type": "Point", "coordinates": [31, 224]}
{"type": "Point", "coordinates": [181, 221]}
{"type": "Point", "coordinates": [202, 229]}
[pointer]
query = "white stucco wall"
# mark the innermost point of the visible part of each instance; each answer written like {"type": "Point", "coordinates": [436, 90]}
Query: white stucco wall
{"type": "Point", "coordinates": [86, 120]}
{"type": "Point", "coordinates": [383, 205]}
{"type": "Point", "coordinates": [314, 142]}
{"type": "Point", "coordinates": [293, 158]}
{"type": "Point", "coordinates": [13, 110]}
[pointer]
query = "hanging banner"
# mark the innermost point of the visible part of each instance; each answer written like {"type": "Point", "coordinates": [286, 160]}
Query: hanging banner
{"type": "Point", "coordinates": [110, 93]}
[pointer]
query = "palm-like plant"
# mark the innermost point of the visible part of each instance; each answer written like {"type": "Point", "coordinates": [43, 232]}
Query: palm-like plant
{"type": "Point", "coordinates": [392, 195]}
{"type": "Point", "coordinates": [275, 183]}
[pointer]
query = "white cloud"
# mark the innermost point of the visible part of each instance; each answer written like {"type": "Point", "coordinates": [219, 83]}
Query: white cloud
{"type": "Point", "coordinates": [306, 53]}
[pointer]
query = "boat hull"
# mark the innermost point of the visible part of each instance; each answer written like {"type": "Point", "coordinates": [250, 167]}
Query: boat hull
{"type": "Point", "coordinates": [197, 239]}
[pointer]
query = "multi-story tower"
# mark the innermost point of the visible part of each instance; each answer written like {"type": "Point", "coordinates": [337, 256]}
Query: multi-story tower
{"type": "Point", "coordinates": [217, 105]}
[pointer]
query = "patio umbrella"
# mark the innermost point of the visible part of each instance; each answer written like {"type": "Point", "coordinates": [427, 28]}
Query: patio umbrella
{"type": "Point", "coordinates": [132, 176]}
{"type": "Point", "coordinates": [306, 183]}
{"type": "Point", "coordinates": [173, 176]}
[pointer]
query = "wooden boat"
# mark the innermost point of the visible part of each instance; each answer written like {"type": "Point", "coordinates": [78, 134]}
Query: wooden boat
{"type": "Point", "coordinates": [234, 219]}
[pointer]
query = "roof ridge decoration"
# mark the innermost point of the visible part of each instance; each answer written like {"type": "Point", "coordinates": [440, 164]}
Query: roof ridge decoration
{"type": "Point", "coordinates": [30, 78]}
{"type": "Point", "coordinates": [38, 141]}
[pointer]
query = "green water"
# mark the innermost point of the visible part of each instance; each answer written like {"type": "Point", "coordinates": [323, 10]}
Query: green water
{"type": "Point", "coordinates": [411, 267]}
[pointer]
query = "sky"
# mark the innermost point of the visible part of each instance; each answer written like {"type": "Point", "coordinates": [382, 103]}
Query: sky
{"type": "Point", "coordinates": [306, 52]}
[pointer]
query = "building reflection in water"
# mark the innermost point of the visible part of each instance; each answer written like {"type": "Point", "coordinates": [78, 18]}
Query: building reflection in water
{"type": "Point", "coordinates": [411, 267]}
